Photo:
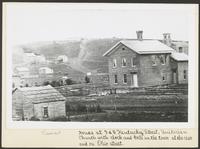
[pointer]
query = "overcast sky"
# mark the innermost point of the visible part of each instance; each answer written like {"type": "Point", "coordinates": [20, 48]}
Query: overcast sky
{"type": "Point", "coordinates": [33, 22]}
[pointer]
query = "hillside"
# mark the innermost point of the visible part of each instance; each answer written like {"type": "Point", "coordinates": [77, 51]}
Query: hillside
{"type": "Point", "coordinates": [84, 54]}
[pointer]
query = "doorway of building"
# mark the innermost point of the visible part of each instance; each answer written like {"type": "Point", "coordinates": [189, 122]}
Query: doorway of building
{"type": "Point", "coordinates": [134, 80]}
{"type": "Point", "coordinates": [174, 77]}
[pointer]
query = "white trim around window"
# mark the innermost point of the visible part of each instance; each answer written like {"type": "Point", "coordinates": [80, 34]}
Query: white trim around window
{"type": "Point", "coordinates": [114, 63]}
{"type": "Point", "coordinates": [124, 62]}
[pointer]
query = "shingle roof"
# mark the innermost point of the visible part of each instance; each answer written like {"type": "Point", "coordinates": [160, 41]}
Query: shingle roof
{"type": "Point", "coordinates": [42, 94]}
{"type": "Point", "coordinates": [143, 47]}
{"type": "Point", "coordinates": [179, 56]}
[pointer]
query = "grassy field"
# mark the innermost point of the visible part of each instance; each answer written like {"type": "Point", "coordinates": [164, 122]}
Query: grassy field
{"type": "Point", "coordinates": [124, 116]}
{"type": "Point", "coordinates": [164, 104]}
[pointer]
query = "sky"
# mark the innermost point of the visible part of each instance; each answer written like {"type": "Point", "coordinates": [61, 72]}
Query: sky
{"type": "Point", "coordinates": [27, 23]}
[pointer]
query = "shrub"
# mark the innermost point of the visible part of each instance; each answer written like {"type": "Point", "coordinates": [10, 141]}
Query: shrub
{"type": "Point", "coordinates": [46, 83]}
{"type": "Point", "coordinates": [34, 119]}
{"type": "Point", "coordinates": [99, 108]}
{"type": "Point", "coordinates": [68, 81]}
{"type": "Point", "coordinates": [81, 108]}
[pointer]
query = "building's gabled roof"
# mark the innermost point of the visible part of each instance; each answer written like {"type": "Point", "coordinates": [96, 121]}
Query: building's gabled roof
{"type": "Point", "coordinates": [143, 47]}
{"type": "Point", "coordinates": [179, 56]}
{"type": "Point", "coordinates": [42, 94]}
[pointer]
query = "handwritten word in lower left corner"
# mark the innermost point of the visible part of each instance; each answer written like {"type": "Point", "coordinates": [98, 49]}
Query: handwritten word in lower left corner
{"type": "Point", "coordinates": [50, 132]}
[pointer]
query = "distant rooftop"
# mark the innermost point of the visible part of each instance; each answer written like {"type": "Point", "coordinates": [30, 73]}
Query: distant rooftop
{"type": "Point", "coordinates": [179, 56]}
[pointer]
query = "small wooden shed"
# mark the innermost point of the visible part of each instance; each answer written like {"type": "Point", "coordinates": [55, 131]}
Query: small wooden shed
{"type": "Point", "coordinates": [42, 103]}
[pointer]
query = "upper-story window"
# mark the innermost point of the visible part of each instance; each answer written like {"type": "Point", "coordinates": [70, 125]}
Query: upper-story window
{"type": "Point", "coordinates": [163, 59]}
{"type": "Point", "coordinates": [124, 62]}
{"type": "Point", "coordinates": [153, 59]}
{"type": "Point", "coordinates": [180, 49]}
{"type": "Point", "coordinates": [133, 61]}
{"type": "Point", "coordinates": [114, 63]}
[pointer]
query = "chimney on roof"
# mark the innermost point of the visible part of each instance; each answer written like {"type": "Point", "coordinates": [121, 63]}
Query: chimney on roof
{"type": "Point", "coordinates": [139, 35]}
{"type": "Point", "coordinates": [167, 39]}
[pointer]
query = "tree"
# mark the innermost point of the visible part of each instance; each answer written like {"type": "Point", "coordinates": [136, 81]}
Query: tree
{"type": "Point", "coordinates": [68, 81]}
{"type": "Point", "coordinates": [53, 83]}
{"type": "Point", "coordinates": [98, 108]}
{"type": "Point", "coordinates": [46, 83]}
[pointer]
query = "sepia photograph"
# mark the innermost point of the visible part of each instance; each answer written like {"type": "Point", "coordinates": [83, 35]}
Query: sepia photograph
{"type": "Point", "coordinates": [99, 75]}
{"type": "Point", "coordinates": [91, 65]}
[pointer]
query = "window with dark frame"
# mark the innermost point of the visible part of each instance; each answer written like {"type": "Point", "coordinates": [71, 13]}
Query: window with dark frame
{"type": "Point", "coordinates": [116, 81]}
{"type": "Point", "coordinates": [46, 112]}
{"type": "Point", "coordinates": [125, 78]}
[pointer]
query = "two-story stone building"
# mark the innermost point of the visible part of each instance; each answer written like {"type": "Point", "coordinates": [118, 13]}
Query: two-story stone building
{"type": "Point", "coordinates": [139, 62]}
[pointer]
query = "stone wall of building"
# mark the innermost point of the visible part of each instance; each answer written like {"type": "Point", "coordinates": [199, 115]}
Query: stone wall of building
{"type": "Point", "coordinates": [182, 66]}
{"type": "Point", "coordinates": [122, 52]}
{"type": "Point", "coordinates": [158, 74]}
{"type": "Point", "coordinates": [147, 74]}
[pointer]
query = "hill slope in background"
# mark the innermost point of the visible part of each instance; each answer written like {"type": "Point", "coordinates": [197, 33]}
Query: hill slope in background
{"type": "Point", "coordinates": [84, 55]}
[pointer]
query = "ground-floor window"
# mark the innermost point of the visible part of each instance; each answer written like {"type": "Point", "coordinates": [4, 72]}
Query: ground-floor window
{"type": "Point", "coordinates": [125, 78]}
{"type": "Point", "coordinates": [116, 81]}
{"type": "Point", "coordinates": [184, 74]}
{"type": "Point", "coordinates": [46, 112]}
{"type": "Point", "coordinates": [164, 77]}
